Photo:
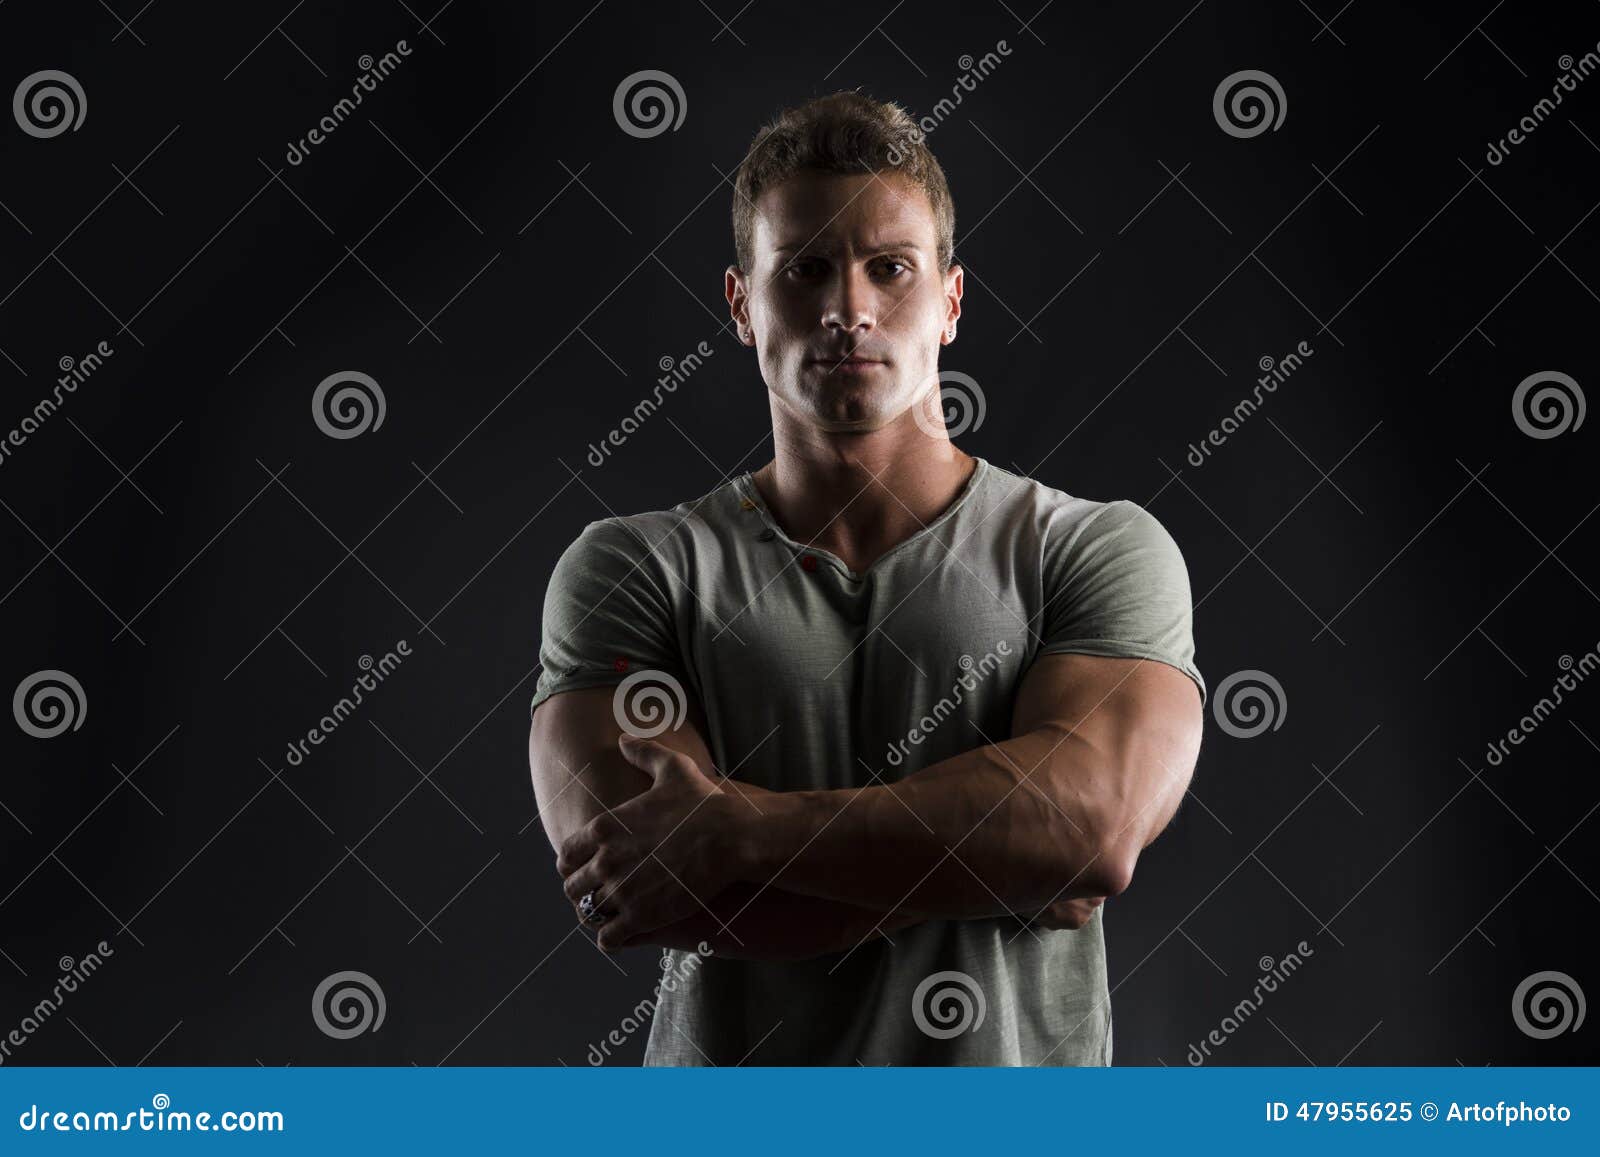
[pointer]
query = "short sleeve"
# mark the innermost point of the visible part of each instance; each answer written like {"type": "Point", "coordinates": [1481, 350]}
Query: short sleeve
{"type": "Point", "coordinates": [607, 613]}
{"type": "Point", "coordinates": [1118, 587]}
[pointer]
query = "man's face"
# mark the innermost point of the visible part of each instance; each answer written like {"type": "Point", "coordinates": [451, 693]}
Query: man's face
{"type": "Point", "coordinates": [846, 303]}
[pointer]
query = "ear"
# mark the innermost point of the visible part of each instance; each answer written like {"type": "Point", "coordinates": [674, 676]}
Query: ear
{"type": "Point", "coordinates": [953, 287]}
{"type": "Point", "coordinates": [736, 287]}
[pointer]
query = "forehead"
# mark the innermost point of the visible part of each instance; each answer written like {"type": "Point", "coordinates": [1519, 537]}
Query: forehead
{"type": "Point", "coordinates": [843, 210]}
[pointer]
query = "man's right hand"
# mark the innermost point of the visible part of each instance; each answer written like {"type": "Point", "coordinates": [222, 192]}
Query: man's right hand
{"type": "Point", "coordinates": [1069, 915]}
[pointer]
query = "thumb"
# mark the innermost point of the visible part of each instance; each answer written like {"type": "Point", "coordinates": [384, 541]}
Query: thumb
{"type": "Point", "coordinates": [652, 758]}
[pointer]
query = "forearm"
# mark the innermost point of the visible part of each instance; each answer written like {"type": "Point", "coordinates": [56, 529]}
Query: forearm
{"type": "Point", "coordinates": [752, 922]}
{"type": "Point", "coordinates": [1007, 827]}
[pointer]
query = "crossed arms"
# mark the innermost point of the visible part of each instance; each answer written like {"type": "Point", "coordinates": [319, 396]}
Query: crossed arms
{"type": "Point", "coordinates": [1048, 821]}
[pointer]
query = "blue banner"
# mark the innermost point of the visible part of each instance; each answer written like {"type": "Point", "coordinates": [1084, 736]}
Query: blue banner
{"type": "Point", "coordinates": [787, 1110]}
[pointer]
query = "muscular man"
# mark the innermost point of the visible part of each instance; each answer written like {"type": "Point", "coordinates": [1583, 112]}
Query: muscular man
{"type": "Point", "coordinates": [911, 717]}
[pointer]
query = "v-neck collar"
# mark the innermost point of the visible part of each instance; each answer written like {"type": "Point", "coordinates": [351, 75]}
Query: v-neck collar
{"type": "Point", "coordinates": [746, 488]}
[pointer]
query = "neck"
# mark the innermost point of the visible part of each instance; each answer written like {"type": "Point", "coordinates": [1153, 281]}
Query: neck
{"type": "Point", "coordinates": [858, 495]}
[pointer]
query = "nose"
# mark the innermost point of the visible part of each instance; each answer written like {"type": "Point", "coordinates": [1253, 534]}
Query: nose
{"type": "Point", "coordinates": [850, 306]}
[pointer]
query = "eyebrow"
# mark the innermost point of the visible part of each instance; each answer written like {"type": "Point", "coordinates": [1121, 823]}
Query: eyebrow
{"type": "Point", "coordinates": [885, 247]}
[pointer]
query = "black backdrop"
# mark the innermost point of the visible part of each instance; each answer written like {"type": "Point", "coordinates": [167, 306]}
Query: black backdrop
{"type": "Point", "coordinates": [480, 236]}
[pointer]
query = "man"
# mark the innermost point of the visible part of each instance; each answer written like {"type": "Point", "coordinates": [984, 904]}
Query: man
{"type": "Point", "coordinates": [910, 717]}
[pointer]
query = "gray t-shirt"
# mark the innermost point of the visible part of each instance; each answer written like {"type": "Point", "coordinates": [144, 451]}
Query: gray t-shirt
{"type": "Point", "coordinates": [813, 677]}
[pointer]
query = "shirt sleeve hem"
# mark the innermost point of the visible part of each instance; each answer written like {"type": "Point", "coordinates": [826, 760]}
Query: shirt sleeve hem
{"type": "Point", "coordinates": [1120, 649]}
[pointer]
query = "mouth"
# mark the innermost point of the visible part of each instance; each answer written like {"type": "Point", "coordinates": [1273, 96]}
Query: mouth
{"type": "Point", "coordinates": [852, 364]}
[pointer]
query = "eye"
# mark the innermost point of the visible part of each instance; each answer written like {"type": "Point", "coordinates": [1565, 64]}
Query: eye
{"type": "Point", "coordinates": [892, 268]}
{"type": "Point", "coordinates": [803, 268]}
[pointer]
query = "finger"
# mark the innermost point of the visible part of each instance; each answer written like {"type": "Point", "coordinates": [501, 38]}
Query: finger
{"type": "Point", "coordinates": [576, 850]}
{"type": "Point", "coordinates": [588, 878]}
{"type": "Point", "coordinates": [615, 931]}
{"type": "Point", "coordinates": [654, 759]}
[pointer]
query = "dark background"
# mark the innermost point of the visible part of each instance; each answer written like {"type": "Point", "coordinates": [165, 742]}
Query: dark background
{"type": "Point", "coordinates": [1381, 538]}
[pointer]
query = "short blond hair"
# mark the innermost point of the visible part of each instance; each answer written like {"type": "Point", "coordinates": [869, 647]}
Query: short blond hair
{"type": "Point", "coordinates": [844, 132]}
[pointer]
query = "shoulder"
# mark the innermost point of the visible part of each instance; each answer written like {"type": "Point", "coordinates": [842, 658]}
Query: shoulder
{"type": "Point", "coordinates": [1064, 523]}
{"type": "Point", "coordinates": [663, 535]}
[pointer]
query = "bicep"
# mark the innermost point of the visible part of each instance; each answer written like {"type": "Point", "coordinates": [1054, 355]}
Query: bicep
{"type": "Point", "coordinates": [1137, 722]}
{"type": "Point", "coordinates": [578, 771]}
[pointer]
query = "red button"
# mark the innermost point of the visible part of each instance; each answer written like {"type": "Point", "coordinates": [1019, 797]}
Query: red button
{"type": "Point", "coordinates": [808, 561]}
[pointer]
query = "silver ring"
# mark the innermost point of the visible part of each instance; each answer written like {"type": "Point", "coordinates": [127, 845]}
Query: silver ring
{"type": "Point", "coordinates": [590, 913]}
